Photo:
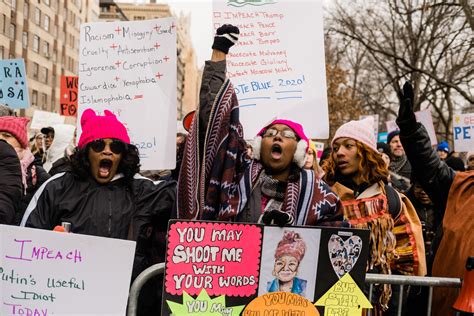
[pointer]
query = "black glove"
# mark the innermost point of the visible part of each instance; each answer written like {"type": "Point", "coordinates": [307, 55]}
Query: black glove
{"type": "Point", "coordinates": [277, 217]}
{"type": "Point", "coordinates": [405, 112]}
{"type": "Point", "coordinates": [226, 36]}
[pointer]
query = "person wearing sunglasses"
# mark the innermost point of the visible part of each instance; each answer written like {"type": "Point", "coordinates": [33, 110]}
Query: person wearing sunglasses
{"type": "Point", "coordinates": [103, 195]}
{"type": "Point", "coordinates": [271, 186]}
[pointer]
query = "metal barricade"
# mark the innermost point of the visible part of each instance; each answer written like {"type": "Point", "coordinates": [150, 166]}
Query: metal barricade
{"type": "Point", "coordinates": [137, 285]}
{"type": "Point", "coordinates": [370, 278]}
{"type": "Point", "coordinates": [402, 280]}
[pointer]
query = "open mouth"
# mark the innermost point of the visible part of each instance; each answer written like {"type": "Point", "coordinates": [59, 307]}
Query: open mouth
{"type": "Point", "coordinates": [105, 165]}
{"type": "Point", "coordinates": [276, 151]}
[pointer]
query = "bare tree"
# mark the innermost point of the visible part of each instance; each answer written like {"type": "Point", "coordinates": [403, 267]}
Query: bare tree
{"type": "Point", "coordinates": [383, 43]}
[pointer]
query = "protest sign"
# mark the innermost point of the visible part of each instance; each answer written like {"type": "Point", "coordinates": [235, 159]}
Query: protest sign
{"type": "Point", "coordinates": [130, 69]}
{"type": "Point", "coordinates": [424, 117]}
{"type": "Point", "coordinates": [68, 99]}
{"type": "Point", "coordinates": [463, 131]}
{"type": "Point", "coordinates": [204, 263]}
{"type": "Point", "coordinates": [43, 119]}
{"type": "Point", "coordinates": [13, 86]}
{"type": "Point", "coordinates": [281, 303]}
{"type": "Point", "coordinates": [382, 137]}
{"type": "Point", "coordinates": [375, 118]}
{"type": "Point", "coordinates": [49, 273]}
{"type": "Point", "coordinates": [344, 298]}
{"type": "Point", "coordinates": [276, 73]}
{"type": "Point", "coordinates": [319, 148]}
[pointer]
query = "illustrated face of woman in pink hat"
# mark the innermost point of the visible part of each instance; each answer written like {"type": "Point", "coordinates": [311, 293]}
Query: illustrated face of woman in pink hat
{"type": "Point", "coordinates": [278, 148]}
{"type": "Point", "coordinates": [104, 157]}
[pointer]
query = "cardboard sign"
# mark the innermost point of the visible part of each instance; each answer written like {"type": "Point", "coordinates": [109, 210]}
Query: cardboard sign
{"type": "Point", "coordinates": [344, 298]}
{"type": "Point", "coordinates": [44, 119]}
{"type": "Point", "coordinates": [204, 264]}
{"type": "Point", "coordinates": [49, 273]}
{"type": "Point", "coordinates": [463, 131]}
{"type": "Point", "coordinates": [280, 303]}
{"type": "Point", "coordinates": [277, 71]}
{"type": "Point", "coordinates": [130, 69]}
{"type": "Point", "coordinates": [424, 117]}
{"type": "Point", "coordinates": [13, 83]}
{"type": "Point", "coordinates": [68, 99]}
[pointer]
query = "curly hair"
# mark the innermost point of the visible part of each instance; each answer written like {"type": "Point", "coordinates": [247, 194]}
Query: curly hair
{"type": "Point", "coordinates": [371, 167]}
{"type": "Point", "coordinates": [129, 163]}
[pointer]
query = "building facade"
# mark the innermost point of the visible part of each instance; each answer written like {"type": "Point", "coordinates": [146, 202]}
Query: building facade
{"type": "Point", "coordinates": [46, 35]}
{"type": "Point", "coordinates": [188, 74]}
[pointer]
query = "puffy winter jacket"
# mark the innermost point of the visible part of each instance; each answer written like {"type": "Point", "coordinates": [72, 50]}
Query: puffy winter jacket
{"type": "Point", "coordinates": [117, 209]}
{"type": "Point", "coordinates": [10, 183]}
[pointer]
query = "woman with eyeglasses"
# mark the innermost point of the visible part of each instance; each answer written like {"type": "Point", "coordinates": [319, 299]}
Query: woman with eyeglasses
{"type": "Point", "coordinates": [271, 186]}
{"type": "Point", "coordinates": [103, 195]}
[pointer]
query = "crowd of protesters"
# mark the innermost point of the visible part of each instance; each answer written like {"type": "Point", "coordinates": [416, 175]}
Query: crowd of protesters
{"type": "Point", "coordinates": [416, 201]}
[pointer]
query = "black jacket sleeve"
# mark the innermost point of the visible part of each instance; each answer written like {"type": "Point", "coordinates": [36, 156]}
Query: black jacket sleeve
{"type": "Point", "coordinates": [40, 212]}
{"type": "Point", "coordinates": [10, 183]}
{"type": "Point", "coordinates": [433, 174]}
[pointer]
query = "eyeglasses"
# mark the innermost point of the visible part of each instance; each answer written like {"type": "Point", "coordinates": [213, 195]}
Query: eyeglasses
{"type": "Point", "coordinates": [286, 133]}
{"type": "Point", "coordinates": [116, 146]}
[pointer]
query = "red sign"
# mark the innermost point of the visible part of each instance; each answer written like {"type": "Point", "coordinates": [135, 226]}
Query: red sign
{"type": "Point", "coordinates": [68, 99]}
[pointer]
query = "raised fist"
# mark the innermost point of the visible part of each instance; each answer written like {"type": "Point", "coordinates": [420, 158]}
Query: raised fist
{"type": "Point", "coordinates": [226, 36]}
{"type": "Point", "coordinates": [405, 112]}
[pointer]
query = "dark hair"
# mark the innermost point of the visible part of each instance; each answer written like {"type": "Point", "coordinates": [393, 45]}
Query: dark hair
{"type": "Point", "coordinates": [129, 163]}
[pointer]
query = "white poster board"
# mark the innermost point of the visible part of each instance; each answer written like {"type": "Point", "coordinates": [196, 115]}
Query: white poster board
{"type": "Point", "coordinates": [463, 132]}
{"type": "Point", "coordinates": [277, 67]}
{"type": "Point", "coordinates": [376, 123]}
{"type": "Point", "coordinates": [51, 273]}
{"type": "Point", "coordinates": [44, 119]}
{"type": "Point", "coordinates": [424, 117]}
{"type": "Point", "coordinates": [130, 69]}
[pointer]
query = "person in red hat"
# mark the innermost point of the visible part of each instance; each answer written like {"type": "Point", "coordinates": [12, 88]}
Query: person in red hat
{"type": "Point", "coordinates": [218, 181]}
{"type": "Point", "coordinates": [103, 195]}
{"type": "Point", "coordinates": [13, 131]}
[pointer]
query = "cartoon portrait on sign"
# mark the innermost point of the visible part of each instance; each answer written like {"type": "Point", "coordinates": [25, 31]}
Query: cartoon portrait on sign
{"type": "Point", "coordinates": [289, 261]}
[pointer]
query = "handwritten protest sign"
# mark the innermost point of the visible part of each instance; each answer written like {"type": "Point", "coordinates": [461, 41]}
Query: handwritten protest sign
{"type": "Point", "coordinates": [43, 119]}
{"type": "Point", "coordinates": [49, 273]}
{"type": "Point", "coordinates": [280, 303]}
{"type": "Point", "coordinates": [13, 86]}
{"type": "Point", "coordinates": [277, 67]}
{"type": "Point", "coordinates": [424, 117]}
{"type": "Point", "coordinates": [463, 131]}
{"type": "Point", "coordinates": [376, 122]}
{"type": "Point", "coordinates": [68, 99]}
{"type": "Point", "coordinates": [204, 264]}
{"type": "Point", "coordinates": [344, 298]}
{"type": "Point", "coordinates": [319, 149]}
{"type": "Point", "coordinates": [130, 69]}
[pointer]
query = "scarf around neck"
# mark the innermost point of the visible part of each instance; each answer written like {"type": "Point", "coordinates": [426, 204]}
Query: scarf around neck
{"type": "Point", "coordinates": [397, 163]}
{"type": "Point", "coordinates": [26, 158]}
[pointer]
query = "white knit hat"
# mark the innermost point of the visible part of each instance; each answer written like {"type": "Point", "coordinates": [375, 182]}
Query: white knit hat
{"type": "Point", "coordinates": [362, 131]}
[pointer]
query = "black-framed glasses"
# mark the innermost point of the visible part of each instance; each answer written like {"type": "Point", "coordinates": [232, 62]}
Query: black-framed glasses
{"type": "Point", "coordinates": [116, 146]}
{"type": "Point", "coordinates": [286, 133]}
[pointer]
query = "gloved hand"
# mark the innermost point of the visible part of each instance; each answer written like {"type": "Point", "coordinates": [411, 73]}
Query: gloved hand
{"type": "Point", "coordinates": [277, 217]}
{"type": "Point", "coordinates": [405, 112]}
{"type": "Point", "coordinates": [226, 36]}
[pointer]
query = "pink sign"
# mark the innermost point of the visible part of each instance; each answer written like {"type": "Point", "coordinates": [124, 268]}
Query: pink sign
{"type": "Point", "coordinates": [223, 259]}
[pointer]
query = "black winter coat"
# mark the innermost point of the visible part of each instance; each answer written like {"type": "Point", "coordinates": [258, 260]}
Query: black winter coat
{"type": "Point", "coordinates": [10, 183]}
{"type": "Point", "coordinates": [117, 209]}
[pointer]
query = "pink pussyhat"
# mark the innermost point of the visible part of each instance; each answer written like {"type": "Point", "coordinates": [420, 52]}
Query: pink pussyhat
{"type": "Point", "coordinates": [300, 154]}
{"type": "Point", "coordinates": [96, 127]}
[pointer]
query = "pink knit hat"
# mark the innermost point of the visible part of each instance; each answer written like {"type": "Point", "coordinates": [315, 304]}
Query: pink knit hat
{"type": "Point", "coordinates": [362, 131]}
{"type": "Point", "coordinates": [96, 127]}
{"type": "Point", "coordinates": [17, 127]}
{"type": "Point", "coordinates": [300, 154]}
{"type": "Point", "coordinates": [291, 244]}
